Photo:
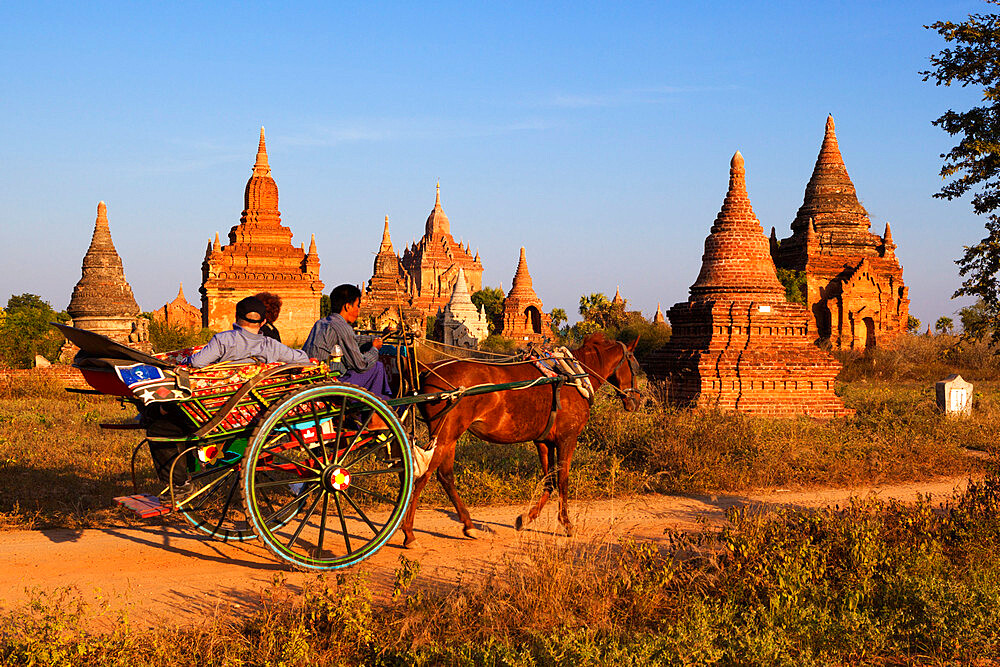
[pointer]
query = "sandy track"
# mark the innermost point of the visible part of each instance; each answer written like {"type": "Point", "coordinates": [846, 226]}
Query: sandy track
{"type": "Point", "coordinates": [164, 571]}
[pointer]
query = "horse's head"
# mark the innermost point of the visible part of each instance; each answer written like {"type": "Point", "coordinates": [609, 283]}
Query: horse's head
{"type": "Point", "coordinates": [617, 365]}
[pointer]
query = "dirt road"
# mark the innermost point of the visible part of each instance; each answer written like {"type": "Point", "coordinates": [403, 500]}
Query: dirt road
{"type": "Point", "coordinates": [166, 572]}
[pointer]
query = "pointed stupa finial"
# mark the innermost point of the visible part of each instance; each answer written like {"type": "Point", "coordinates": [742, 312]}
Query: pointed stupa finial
{"type": "Point", "coordinates": [312, 245]}
{"type": "Point", "coordinates": [658, 318]}
{"type": "Point", "coordinates": [386, 245]}
{"type": "Point", "coordinates": [831, 129]}
{"type": "Point", "coordinates": [522, 279]}
{"type": "Point", "coordinates": [460, 293]}
{"type": "Point", "coordinates": [437, 222]}
{"type": "Point", "coordinates": [180, 291]}
{"type": "Point", "coordinates": [261, 167]}
{"type": "Point", "coordinates": [102, 213]}
{"type": "Point", "coordinates": [618, 296]}
{"type": "Point", "coordinates": [887, 237]}
{"type": "Point", "coordinates": [216, 246]}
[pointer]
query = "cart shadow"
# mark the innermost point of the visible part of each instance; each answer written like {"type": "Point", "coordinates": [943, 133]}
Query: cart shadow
{"type": "Point", "coordinates": [197, 546]}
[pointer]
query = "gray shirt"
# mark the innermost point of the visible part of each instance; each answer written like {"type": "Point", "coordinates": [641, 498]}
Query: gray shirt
{"type": "Point", "coordinates": [334, 329]}
{"type": "Point", "coordinates": [238, 344]}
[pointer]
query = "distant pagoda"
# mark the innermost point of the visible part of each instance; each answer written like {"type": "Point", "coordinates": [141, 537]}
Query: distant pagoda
{"type": "Point", "coordinates": [524, 317]}
{"type": "Point", "coordinates": [736, 343]}
{"type": "Point", "coordinates": [178, 313]}
{"type": "Point", "coordinates": [260, 257]}
{"type": "Point", "coordinates": [102, 300]}
{"type": "Point", "coordinates": [385, 301]}
{"type": "Point", "coordinates": [854, 283]}
{"type": "Point", "coordinates": [460, 323]}
{"type": "Point", "coordinates": [431, 265]}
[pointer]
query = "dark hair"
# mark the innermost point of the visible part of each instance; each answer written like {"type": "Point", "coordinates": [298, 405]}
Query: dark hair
{"type": "Point", "coordinates": [273, 304]}
{"type": "Point", "coordinates": [341, 295]}
{"type": "Point", "coordinates": [248, 307]}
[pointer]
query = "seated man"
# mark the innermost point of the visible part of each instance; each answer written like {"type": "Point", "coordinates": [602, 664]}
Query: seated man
{"type": "Point", "coordinates": [244, 342]}
{"type": "Point", "coordinates": [363, 368]}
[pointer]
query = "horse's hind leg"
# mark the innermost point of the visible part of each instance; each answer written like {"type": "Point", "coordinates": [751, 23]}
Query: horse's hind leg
{"type": "Point", "coordinates": [546, 453]}
{"type": "Point", "coordinates": [562, 472]}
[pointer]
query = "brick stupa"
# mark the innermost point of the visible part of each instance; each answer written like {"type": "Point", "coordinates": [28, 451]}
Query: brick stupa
{"type": "Point", "coordinates": [524, 318]}
{"type": "Point", "coordinates": [178, 313]}
{"type": "Point", "coordinates": [260, 257]}
{"type": "Point", "coordinates": [103, 301]}
{"type": "Point", "coordinates": [737, 344]}
{"type": "Point", "coordinates": [460, 323]}
{"type": "Point", "coordinates": [386, 301]}
{"type": "Point", "coordinates": [432, 263]}
{"type": "Point", "coordinates": [854, 282]}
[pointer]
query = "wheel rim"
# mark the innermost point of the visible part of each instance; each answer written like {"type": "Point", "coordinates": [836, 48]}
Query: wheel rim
{"type": "Point", "coordinates": [347, 485]}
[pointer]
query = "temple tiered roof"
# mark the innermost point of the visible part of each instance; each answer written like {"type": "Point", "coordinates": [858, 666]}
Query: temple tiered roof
{"type": "Point", "coordinates": [102, 289]}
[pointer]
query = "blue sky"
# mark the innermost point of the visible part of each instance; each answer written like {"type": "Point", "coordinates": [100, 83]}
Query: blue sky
{"type": "Point", "coordinates": [597, 135]}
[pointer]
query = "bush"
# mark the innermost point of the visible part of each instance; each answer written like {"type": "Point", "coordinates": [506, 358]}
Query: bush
{"type": "Point", "coordinates": [165, 338]}
{"type": "Point", "coordinates": [25, 331]}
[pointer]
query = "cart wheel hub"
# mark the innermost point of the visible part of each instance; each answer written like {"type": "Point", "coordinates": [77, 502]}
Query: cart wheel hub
{"type": "Point", "coordinates": [336, 479]}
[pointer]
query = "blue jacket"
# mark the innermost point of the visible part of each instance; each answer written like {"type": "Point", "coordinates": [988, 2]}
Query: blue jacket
{"type": "Point", "coordinates": [238, 344]}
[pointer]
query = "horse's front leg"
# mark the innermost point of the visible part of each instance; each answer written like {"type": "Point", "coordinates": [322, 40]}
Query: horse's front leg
{"type": "Point", "coordinates": [446, 476]}
{"type": "Point", "coordinates": [409, 539]}
{"type": "Point", "coordinates": [546, 453]}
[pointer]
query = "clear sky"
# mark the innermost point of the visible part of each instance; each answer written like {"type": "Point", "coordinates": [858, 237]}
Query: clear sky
{"type": "Point", "coordinates": [597, 135]}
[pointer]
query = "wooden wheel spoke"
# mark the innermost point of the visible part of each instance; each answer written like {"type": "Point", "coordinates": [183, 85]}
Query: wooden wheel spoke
{"type": "Point", "coordinates": [370, 449]}
{"type": "Point", "coordinates": [286, 482]}
{"type": "Point", "coordinates": [322, 521]}
{"type": "Point", "coordinates": [319, 432]}
{"type": "Point", "coordinates": [380, 471]}
{"type": "Point", "coordinates": [297, 464]}
{"type": "Point", "coordinates": [364, 517]}
{"type": "Point", "coordinates": [373, 494]}
{"type": "Point", "coordinates": [305, 520]}
{"type": "Point", "coordinates": [340, 430]}
{"type": "Point", "coordinates": [343, 523]}
{"type": "Point", "coordinates": [225, 509]}
{"type": "Point", "coordinates": [299, 439]}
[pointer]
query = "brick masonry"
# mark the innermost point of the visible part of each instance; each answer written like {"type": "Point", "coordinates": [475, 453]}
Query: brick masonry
{"type": "Point", "coordinates": [854, 283]}
{"type": "Point", "coordinates": [737, 344]}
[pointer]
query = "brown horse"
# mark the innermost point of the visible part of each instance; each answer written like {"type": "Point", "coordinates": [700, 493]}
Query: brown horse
{"type": "Point", "coordinates": [511, 416]}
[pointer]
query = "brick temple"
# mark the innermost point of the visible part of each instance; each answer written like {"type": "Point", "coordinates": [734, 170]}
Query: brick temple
{"type": "Point", "coordinates": [178, 313]}
{"type": "Point", "coordinates": [260, 257]}
{"type": "Point", "coordinates": [102, 300]}
{"type": "Point", "coordinates": [524, 318]}
{"type": "Point", "coordinates": [854, 283]}
{"type": "Point", "coordinates": [431, 264]}
{"type": "Point", "coordinates": [386, 301]}
{"type": "Point", "coordinates": [737, 344]}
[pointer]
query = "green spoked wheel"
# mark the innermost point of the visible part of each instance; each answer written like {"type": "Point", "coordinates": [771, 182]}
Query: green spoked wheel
{"type": "Point", "coordinates": [337, 458]}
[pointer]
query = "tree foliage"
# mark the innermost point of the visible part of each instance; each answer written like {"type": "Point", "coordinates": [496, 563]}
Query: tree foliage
{"type": "Point", "coordinates": [912, 324]}
{"type": "Point", "coordinates": [795, 285]}
{"type": "Point", "coordinates": [490, 300]}
{"type": "Point", "coordinates": [25, 331]}
{"type": "Point", "coordinates": [972, 166]}
{"type": "Point", "coordinates": [944, 325]}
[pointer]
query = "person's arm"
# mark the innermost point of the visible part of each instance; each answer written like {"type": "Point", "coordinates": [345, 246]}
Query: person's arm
{"type": "Point", "coordinates": [354, 359]}
{"type": "Point", "coordinates": [280, 352]}
{"type": "Point", "coordinates": [209, 354]}
{"type": "Point", "coordinates": [318, 343]}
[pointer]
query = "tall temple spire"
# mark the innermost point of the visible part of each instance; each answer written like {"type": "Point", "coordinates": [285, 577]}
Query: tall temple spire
{"type": "Point", "coordinates": [830, 198]}
{"type": "Point", "coordinates": [386, 245]}
{"type": "Point", "coordinates": [461, 292]}
{"type": "Point", "coordinates": [437, 222]}
{"type": "Point", "coordinates": [658, 318]}
{"type": "Point", "coordinates": [737, 262]}
{"type": "Point", "coordinates": [102, 289]}
{"type": "Point", "coordinates": [261, 167]}
{"type": "Point", "coordinates": [618, 296]}
{"type": "Point", "coordinates": [522, 278]}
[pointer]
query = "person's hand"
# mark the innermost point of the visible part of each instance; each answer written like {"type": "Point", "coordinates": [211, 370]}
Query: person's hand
{"type": "Point", "coordinates": [377, 343]}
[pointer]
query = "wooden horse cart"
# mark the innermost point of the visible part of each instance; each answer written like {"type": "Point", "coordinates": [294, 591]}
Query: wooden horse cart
{"type": "Point", "coordinates": [283, 452]}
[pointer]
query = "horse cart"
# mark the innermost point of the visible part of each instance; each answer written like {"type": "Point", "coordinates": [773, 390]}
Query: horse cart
{"type": "Point", "coordinates": [320, 470]}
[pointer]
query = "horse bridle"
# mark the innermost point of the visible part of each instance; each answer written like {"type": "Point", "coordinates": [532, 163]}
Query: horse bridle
{"type": "Point", "coordinates": [633, 365]}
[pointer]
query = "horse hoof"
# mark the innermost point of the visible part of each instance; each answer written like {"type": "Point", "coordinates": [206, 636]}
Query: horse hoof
{"type": "Point", "coordinates": [472, 533]}
{"type": "Point", "coordinates": [519, 522]}
{"type": "Point", "coordinates": [411, 544]}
